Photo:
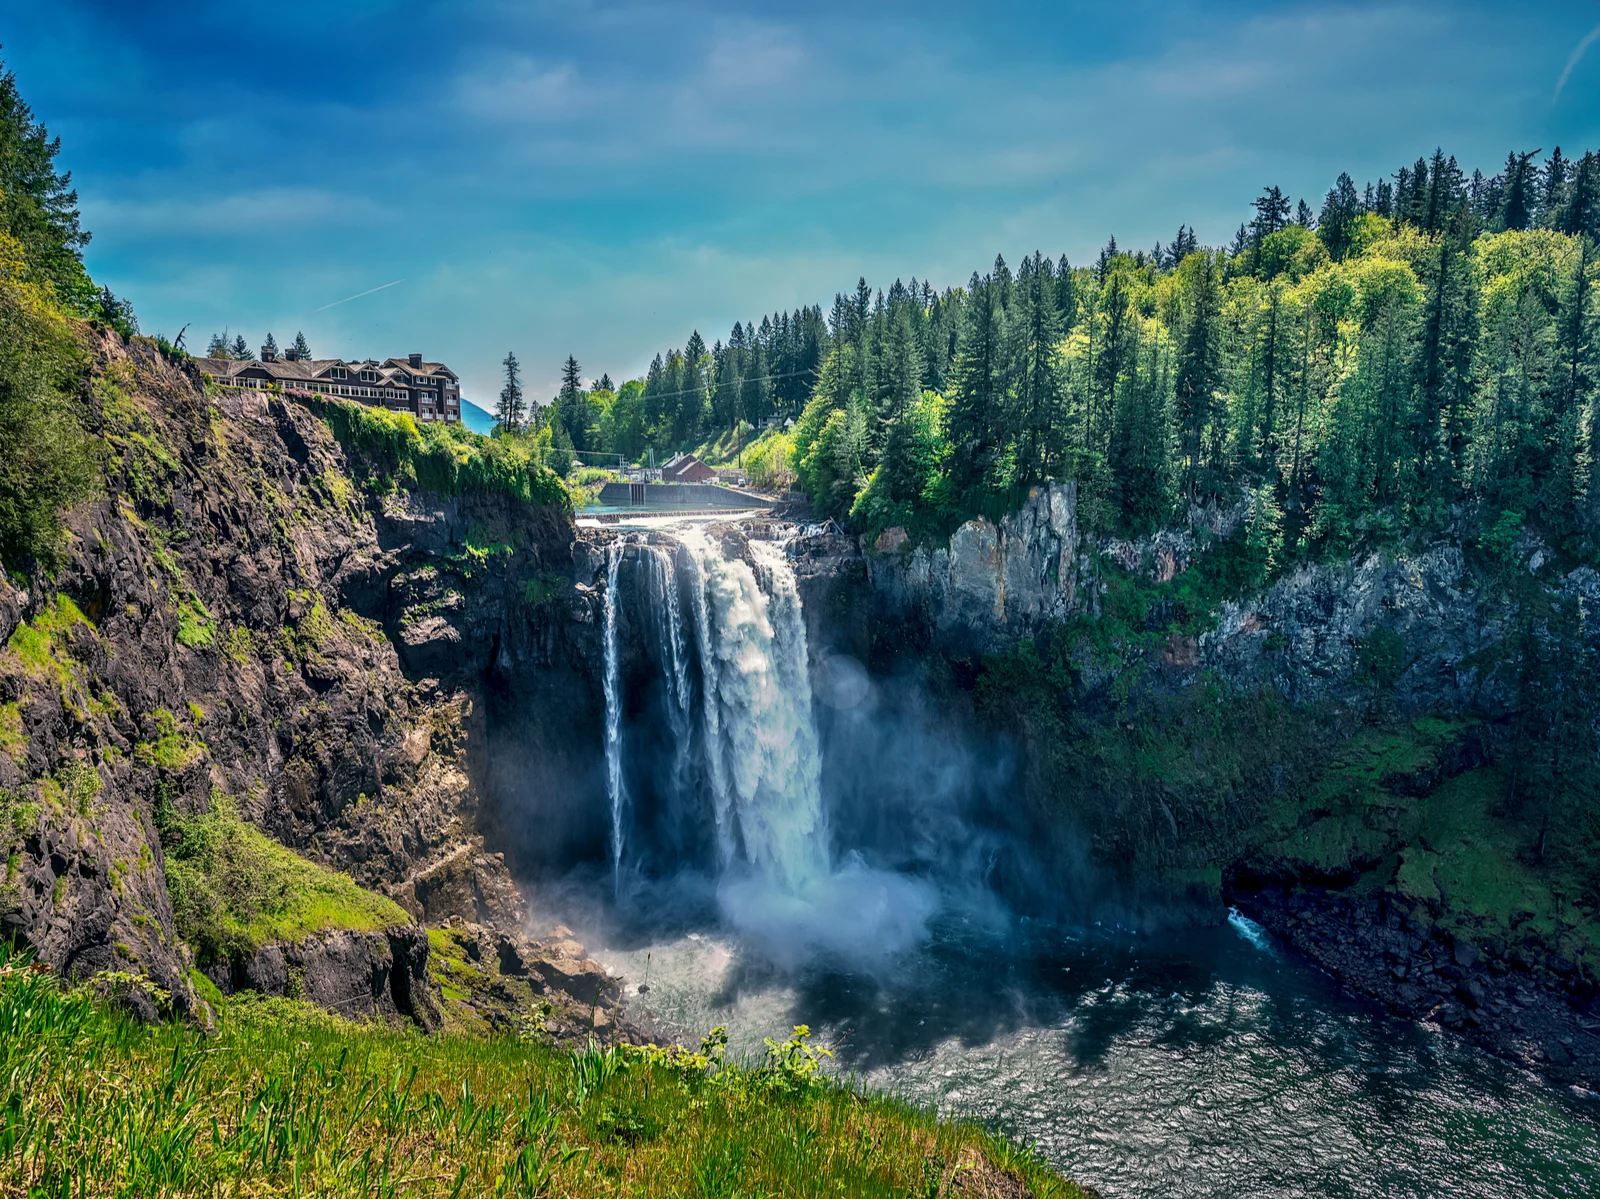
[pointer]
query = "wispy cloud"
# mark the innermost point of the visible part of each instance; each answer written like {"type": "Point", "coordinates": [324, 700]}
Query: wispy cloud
{"type": "Point", "coordinates": [265, 211]}
{"type": "Point", "coordinates": [517, 87]}
{"type": "Point", "coordinates": [1574, 59]}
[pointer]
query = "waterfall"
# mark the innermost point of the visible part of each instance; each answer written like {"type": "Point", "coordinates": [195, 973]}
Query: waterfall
{"type": "Point", "coordinates": [745, 760]}
{"type": "Point", "coordinates": [615, 786]}
{"type": "Point", "coordinates": [760, 740]}
{"type": "Point", "coordinates": [663, 583]}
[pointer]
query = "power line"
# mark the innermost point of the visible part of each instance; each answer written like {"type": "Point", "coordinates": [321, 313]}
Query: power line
{"type": "Point", "coordinates": [742, 381]}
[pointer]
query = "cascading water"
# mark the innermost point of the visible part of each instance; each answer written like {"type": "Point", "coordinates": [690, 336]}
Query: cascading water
{"type": "Point", "coordinates": [615, 787]}
{"type": "Point", "coordinates": [751, 761]}
{"type": "Point", "coordinates": [753, 670]}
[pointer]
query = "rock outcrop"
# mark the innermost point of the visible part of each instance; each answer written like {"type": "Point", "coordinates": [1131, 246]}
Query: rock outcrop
{"type": "Point", "coordinates": [383, 974]}
{"type": "Point", "coordinates": [237, 615]}
{"type": "Point", "coordinates": [991, 584]}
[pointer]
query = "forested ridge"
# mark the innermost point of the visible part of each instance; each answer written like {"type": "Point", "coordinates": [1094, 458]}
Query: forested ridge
{"type": "Point", "coordinates": [1415, 355]}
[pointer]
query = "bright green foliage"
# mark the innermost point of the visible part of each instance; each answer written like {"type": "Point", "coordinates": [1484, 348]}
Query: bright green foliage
{"type": "Point", "coordinates": [173, 747]}
{"type": "Point", "coordinates": [42, 645]}
{"type": "Point", "coordinates": [13, 741]}
{"type": "Point", "coordinates": [233, 888]}
{"type": "Point", "coordinates": [292, 1100]}
{"type": "Point", "coordinates": [195, 626]}
{"type": "Point", "coordinates": [389, 448]}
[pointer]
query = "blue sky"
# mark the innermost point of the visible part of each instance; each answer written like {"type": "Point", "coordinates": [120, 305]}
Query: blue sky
{"type": "Point", "coordinates": [599, 178]}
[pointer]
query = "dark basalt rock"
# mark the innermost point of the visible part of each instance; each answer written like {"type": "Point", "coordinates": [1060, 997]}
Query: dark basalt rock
{"type": "Point", "coordinates": [354, 974]}
{"type": "Point", "coordinates": [256, 624]}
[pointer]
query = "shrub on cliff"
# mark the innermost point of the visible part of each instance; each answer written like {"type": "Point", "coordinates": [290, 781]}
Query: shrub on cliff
{"type": "Point", "coordinates": [46, 461]}
{"type": "Point", "coordinates": [233, 888]}
{"type": "Point", "coordinates": [391, 449]}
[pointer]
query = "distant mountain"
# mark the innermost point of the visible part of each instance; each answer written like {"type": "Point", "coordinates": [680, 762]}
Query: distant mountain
{"type": "Point", "coordinates": [475, 418]}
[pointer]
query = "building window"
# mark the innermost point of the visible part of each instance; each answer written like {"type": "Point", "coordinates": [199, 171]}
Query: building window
{"type": "Point", "coordinates": [337, 373]}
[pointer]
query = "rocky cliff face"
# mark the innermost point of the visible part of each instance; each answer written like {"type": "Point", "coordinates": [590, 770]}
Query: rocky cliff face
{"type": "Point", "coordinates": [1369, 820]}
{"type": "Point", "coordinates": [991, 584]}
{"type": "Point", "coordinates": [235, 616]}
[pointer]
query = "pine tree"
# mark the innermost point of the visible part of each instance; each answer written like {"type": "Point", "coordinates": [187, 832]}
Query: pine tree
{"type": "Point", "coordinates": [974, 466]}
{"type": "Point", "coordinates": [38, 205]}
{"type": "Point", "coordinates": [1339, 211]}
{"type": "Point", "coordinates": [1039, 402]}
{"type": "Point", "coordinates": [1443, 370]}
{"type": "Point", "coordinates": [572, 406]}
{"type": "Point", "coordinates": [1141, 450]}
{"type": "Point", "coordinates": [693, 400]}
{"type": "Point", "coordinates": [605, 383]}
{"type": "Point", "coordinates": [1199, 374]}
{"type": "Point", "coordinates": [1580, 212]}
{"type": "Point", "coordinates": [1573, 407]}
{"type": "Point", "coordinates": [1113, 357]}
{"type": "Point", "coordinates": [241, 348]}
{"type": "Point", "coordinates": [1554, 189]}
{"type": "Point", "coordinates": [510, 411]}
{"type": "Point", "coordinates": [300, 351]}
{"type": "Point", "coordinates": [269, 348]}
{"type": "Point", "coordinates": [1518, 191]}
{"type": "Point", "coordinates": [219, 346]}
{"type": "Point", "coordinates": [1272, 214]}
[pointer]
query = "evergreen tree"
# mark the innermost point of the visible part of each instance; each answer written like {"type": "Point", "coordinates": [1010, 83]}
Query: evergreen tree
{"type": "Point", "coordinates": [1580, 212]}
{"type": "Point", "coordinates": [975, 467]}
{"type": "Point", "coordinates": [1112, 358]}
{"type": "Point", "coordinates": [1039, 403]}
{"type": "Point", "coordinates": [510, 411]}
{"type": "Point", "coordinates": [1518, 191]}
{"type": "Point", "coordinates": [241, 348]}
{"type": "Point", "coordinates": [269, 348]}
{"type": "Point", "coordinates": [1554, 189]}
{"type": "Point", "coordinates": [1199, 374]}
{"type": "Point", "coordinates": [1443, 371]}
{"type": "Point", "coordinates": [219, 346]}
{"type": "Point", "coordinates": [572, 406]}
{"type": "Point", "coordinates": [1272, 214]}
{"type": "Point", "coordinates": [300, 351]}
{"type": "Point", "coordinates": [1141, 451]}
{"type": "Point", "coordinates": [692, 400]}
{"type": "Point", "coordinates": [38, 205]}
{"type": "Point", "coordinates": [1339, 211]}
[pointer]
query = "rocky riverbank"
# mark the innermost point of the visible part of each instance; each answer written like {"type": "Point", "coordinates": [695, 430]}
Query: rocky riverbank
{"type": "Point", "coordinates": [1542, 1013]}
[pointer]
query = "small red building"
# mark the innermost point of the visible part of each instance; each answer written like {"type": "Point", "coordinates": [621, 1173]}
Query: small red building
{"type": "Point", "coordinates": [686, 468]}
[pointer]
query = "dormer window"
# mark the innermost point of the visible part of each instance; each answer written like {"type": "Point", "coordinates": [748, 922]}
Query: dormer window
{"type": "Point", "coordinates": [369, 377]}
{"type": "Point", "coordinates": [338, 373]}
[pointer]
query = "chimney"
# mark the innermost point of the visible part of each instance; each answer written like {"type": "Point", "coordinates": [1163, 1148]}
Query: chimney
{"type": "Point", "coordinates": [268, 354]}
{"type": "Point", "coordinates": [416, 360]}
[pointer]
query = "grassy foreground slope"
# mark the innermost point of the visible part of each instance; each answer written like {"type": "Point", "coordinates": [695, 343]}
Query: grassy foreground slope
{"type": "Point", "coordinates": [286, 1099]}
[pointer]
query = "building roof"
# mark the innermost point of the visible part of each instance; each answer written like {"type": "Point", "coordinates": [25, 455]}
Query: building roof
{"type": "Point", "coordinates": [316, 369]}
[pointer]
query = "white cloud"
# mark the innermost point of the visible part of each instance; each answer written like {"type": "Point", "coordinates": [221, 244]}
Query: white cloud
{"type": "Point", "coordinates": [263, 211]}
{"type": "Point", "coordinates": [519, 88]}
{"type": "Point", "coordinates": [752, 58]}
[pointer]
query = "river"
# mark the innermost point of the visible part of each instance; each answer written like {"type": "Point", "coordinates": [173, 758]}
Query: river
{"type": "Point", "coordinates": [1201, 1062]}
